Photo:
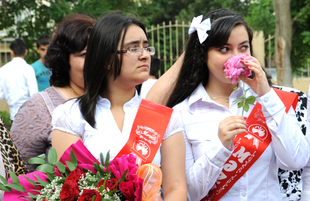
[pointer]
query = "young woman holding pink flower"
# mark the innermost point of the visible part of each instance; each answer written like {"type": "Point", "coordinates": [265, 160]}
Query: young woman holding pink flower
{"type": "Point", "coordinates": [110, 116]}
{"type": "Point", "coordinates": [238, 129]}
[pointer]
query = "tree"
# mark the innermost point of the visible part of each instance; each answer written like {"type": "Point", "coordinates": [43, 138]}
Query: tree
{"type": "Point", "coordinates": [32, 18]}
{"type": "Point", "coordinates": [283, 41]}
{"type": "Point", "coordinates": [35, 17]}
{"type": "Point", "coordinates": [262, 17]}
{"type": "Point", "coordinates": [22, 19]}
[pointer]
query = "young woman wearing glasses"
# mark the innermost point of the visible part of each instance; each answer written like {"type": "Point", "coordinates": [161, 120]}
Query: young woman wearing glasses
{"type": "Point", "coordinates": [118, 59]}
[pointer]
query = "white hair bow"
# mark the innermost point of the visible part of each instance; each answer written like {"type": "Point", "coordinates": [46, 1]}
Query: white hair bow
{"type": "Point", "coordinates": [200, 27]}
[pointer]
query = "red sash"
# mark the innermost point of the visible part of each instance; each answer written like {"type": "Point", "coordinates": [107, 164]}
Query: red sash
{"type": "Point", "coordinates": [147, 131]}
{"type": "Point", "coordinates": [248, 147]}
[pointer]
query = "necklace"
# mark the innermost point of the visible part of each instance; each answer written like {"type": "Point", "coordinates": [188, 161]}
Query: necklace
{"type": "Point", "coordinates": [226, 99]}
{"type": "Point", "coordinates": [73, 90]}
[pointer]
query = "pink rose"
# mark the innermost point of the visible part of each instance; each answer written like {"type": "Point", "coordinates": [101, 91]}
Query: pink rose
{"type": "Point", "coordinates": [119, 165]}
{"type": "Point", "coordinates": [234, 67]}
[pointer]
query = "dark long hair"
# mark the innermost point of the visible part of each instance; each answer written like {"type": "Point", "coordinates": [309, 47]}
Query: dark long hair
{"type": "Point", "coordinates": [194, 69]}
{"type": "Point", "coordinates": [102, 58]}
{"type": "Point", "coordinates": [69, 37]}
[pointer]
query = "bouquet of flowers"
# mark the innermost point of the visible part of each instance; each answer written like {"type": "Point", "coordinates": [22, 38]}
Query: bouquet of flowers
{"type": "Point", "coordinates": [233, 69]}
{"type": "Point", "coordinates": [78, 179]}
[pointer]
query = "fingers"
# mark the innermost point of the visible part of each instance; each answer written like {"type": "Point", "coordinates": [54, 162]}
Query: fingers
{"type": "Point", "coordinates": [259, 84]}
{"type": "Point", "coordinates": [229, 128]}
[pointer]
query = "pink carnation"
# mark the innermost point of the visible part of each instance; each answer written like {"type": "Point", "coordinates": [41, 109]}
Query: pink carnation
{"type": "Point", "coordinates": [119, 165]}
{"type": "Point", "coordinates": [234, 67]}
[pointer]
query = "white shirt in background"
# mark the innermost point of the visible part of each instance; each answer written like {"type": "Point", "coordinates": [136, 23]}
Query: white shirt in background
{"type": "Point", "coordinates": [146, 86]}
{"type": "Point", "coordinates": [305, 193]}
{"type": "Point", "coordinates": [17, 83]}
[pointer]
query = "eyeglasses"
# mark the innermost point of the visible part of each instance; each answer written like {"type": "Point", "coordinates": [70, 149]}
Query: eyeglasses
{"type": "Point", "coordinates": [137, 51]}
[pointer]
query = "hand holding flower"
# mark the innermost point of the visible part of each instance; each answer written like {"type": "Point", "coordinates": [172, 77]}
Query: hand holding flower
{"type": "Point", "coordinates": [235, 67]}
{"type": "Point", "coordinates": [229, 128]}
{"type": "Point", "coordinates": [259, 84]}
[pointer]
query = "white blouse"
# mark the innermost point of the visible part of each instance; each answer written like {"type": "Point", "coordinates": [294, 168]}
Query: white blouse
{"type": "Point", "coordinates": [206, 155]}
{"type": "Point", "coordinates": [106, 135]}
{"type": "Point", "coordinates": [305, 194]}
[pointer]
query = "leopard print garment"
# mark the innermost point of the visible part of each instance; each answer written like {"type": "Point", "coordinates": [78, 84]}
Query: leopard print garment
{"type": "Point", "coordinates": [290, 181]}
{"type": "Point", "coordinates": [10, 154]}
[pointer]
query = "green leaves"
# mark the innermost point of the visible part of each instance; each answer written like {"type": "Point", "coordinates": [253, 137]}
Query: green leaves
{"type": "Point", "coordinates": [43, 167]}
{"type": "Point", "coordinates": [99, 169]}
{"type": "Point", "coordinates": [52, 156]}
{"type": "Point", "coordinates": [31, 181]}
{"type": "Point", "coordinates": [5, 186]}
{"type": "Point", "coordinates": [37, 160]}
{"type": "Point", "coordinates": [70, 165]}
{"type": "Point", "coordinates": [61, 167]}
{"type": "Point", "coordinates": [46, 168]}
{"type": "Point", "coordinates": [3, 180]}
{"type": "Point", "coordinates": [244, 101]}
{"type": "Point", "coordinates": [246, 107]}
{"type": "Point", "coordinates": [250, 99]}
{"type": "Point", "coordinates": [107, 159]}
{"type": "Point", "coordinates": [17, 187]}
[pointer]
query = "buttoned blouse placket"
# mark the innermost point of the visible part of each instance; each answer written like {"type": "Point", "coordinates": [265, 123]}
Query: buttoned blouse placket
{"type": "Point", "coordinates": [234, 110]}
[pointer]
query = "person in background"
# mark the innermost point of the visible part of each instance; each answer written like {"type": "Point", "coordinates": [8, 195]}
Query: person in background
{"type": "Point", "coordinates": [205, 97]}
{"type": "Point", "coordinates": [291, 180]}
{"type": "Point", "coordinates": [65, 56]}
{"type": "Point", "coordinates": [147, 85]}
{"type": "Point", "coordinates": [305, 194]}
{"type": "Point", "coordinates": [17, 78]}
{"type": "Point", "coordinates": [42, 73]}
{"type": "Point", "coordinates": [118, 59]}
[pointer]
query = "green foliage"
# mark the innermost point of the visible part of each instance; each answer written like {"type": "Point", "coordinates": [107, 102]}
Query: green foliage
{"type": "Point", "coordinates": [301, 39]}
{"type": "Point", "coordinates": [52, 156]}
{"type": "Point", "coordinates": [261, 17]}
{"type": "Point", "coordinates": [244, 101]}
{"type": "Point", "coordinates": [6, 119]}
{"type": "Point", "coordinates": [31, 19]}
{"type": "Point", "coordinates": [5, 186]}
{"type": "Point", "coordinates": [40, 17]}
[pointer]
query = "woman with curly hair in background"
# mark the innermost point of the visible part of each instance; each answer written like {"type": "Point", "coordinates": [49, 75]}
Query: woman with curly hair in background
{"type": "Point", "coordinates": [31, 130]}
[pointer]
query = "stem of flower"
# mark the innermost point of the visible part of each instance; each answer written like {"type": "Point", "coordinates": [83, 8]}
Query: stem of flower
{"type": "Point", "coordinates": [244, 95]}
